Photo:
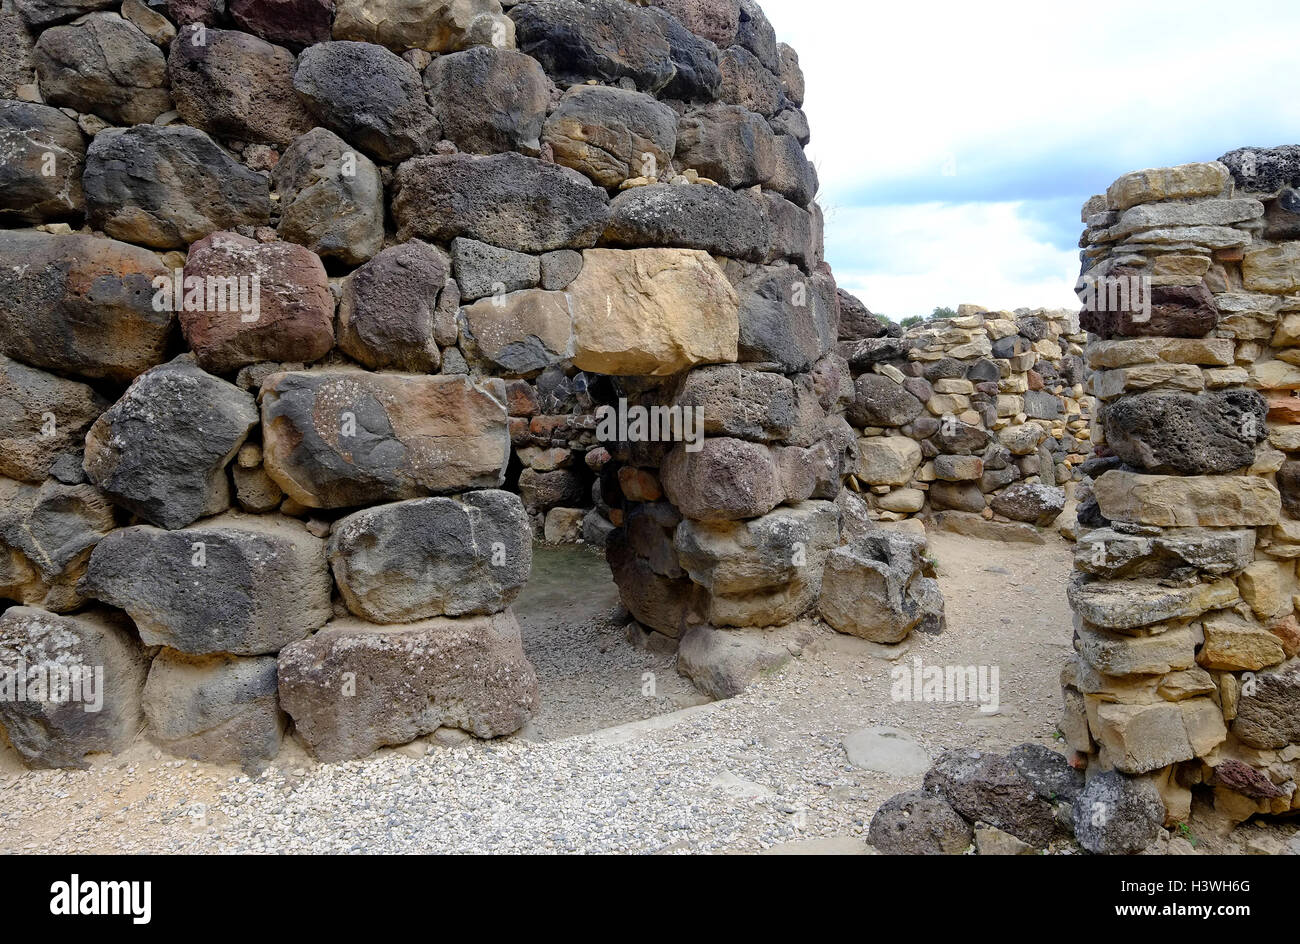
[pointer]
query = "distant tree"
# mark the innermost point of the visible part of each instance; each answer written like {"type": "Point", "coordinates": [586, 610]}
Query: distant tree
{"type": "Point", "coordinates": [942, 314]}
{"type": "Point", "coordinates": [913, 320]}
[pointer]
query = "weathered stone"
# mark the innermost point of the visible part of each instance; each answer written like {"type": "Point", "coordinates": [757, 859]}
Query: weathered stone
{"type": "Point", "coordinates": [1264, 170]}
{"type": "Point", "coordinates": [1232, 646]}
{"type": "Point", "coordinates": [331, 198]}
{"type": "Point", "coordinates": [43, 419]}
{"type": "Point", "coordinates": [1268, 586]}
{"type": "Point", "coordinates": [169, 186]}
{"type": "Point", "coordinates": [957, 496]}
{"type": "Point", "coordinates": [1117, 815]}
{"type": "Point", "coordinates": [233, 85]}
{"type": "Point", "coordinates": [161, 450]}
{"type": "Point", "coordinates": [873, 588]}
{"type": "Point", "coordinates": [735, 401]}
{"type": "Point", "coordinates": [242, 584]}
{"type": "Point", "coordinates": [727, 144]}
{"type": "Point", "coordinates": [958, 468]}
{"type": "Point", "coordinates": [1048, 772]}
{"type": "Point", "coordinates": [787, 318]}
{"type": "Point", "coordinates": [104, 65]}
{"type": "Point", "coordinates": [723, 663]}
{"type": "Point", "coordinates": [413, 560]}
{"type": "Point", "coordinates": [508, 200]}
{"type": "Point", "coordinates": [918, 823]}
{"type": "Point", "coordinates": [856, 320]}
{"type": "Point", "coordinates": [482, 270]}
{"type": "Point", "coordinates": [652, 311]}
{"type": "Point", "coordinates": [714, 20]}
{"type": "Point", "coordinates": [289, 315]}
{"type": "Point", "coordinates": [793, 175]}
{"type": "Point", "coordinates": [887, 460]}
{"type": "Point", "coordinates": [1116, 654]}
{"type": "Point", "coordinates": [989, 788]}
{"type": "Point", "coordinates": [40, 177]}
{"type": "Point", "coordinates": [293, 23]}
{"type": "Point", "coordinates": [46, 536]}
{"type": "Point", "coordinates": [220, 709]}
{"type": "Point", "coordinates": [80, 679]}
{"type": "Point", "coordinates": [713, 219]}
{"type": "Point", "coordinates": [880, 401]}
{"type": "Point", "coordinates": [730, 480]}
{"type": "Point", "coordinates": [611, 134]}
{"type": "Point", "coordinates": [433, 25]}
{"type": "Point", "coordinates": [747, 83]}
{"type": "Point", "coordinates": [1178, 311]}
{"type": "Point", "coordinates": [337, 438]}
{"type": "Point", "coordinates": [542, 491]}
{"type": "Point", "coordinates": [1189, 434]}
{"type": "Point", "coordinates": [1269, 718]}
{"type": "Point", "coordinates": [521, 333]}
{"type": "Point", "coordinates": [696, 76]}
{"type": "Point", "coordinates": [1192, 501]}
{"type": "Point", "coordinates": [1131, 604]}
{"type": "Point", "coordinates": [1112, 554]}
{"type": "Point", "coordinates": [763, 572]}
{"type": "Point", "coordinates": [387, 116]}
{"type": "Point", "coordinates": [354, 687]}
{"type": "Point", "coordinates": [594, 39]}
{"type": "Point", "coordinates": [1273, 269]}
{"type": "Point", "coordinates": [559, 269]}
{"type": "Point", "coordinates": [1038, 504]}
{"type": "Point", "coordinates": [389, 308]}
{"type": "Point", "coordinates": [489, 100]}
{"type": "Point", "coordinates": [886, 750]}
{"type": "Point", "coordinates": [1167, 183]}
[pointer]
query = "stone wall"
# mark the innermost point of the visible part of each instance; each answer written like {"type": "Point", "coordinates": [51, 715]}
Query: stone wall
{"type": "Point", "coordinates": [976, 419]}
{"type": "Point", "coordinates": [308, 315]}
{"type": "Point", "coordinates": [1186, 674]}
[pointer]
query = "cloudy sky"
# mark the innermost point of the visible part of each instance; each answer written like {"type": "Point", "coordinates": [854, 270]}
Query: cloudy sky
{"type": "Point", "coordinates": [956, 141]}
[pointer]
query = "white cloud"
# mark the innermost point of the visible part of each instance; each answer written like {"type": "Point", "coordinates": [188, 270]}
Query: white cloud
{"type": "Point", "coordinates": [1068, 99]}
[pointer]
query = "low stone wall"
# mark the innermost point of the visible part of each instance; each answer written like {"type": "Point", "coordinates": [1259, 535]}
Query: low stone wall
{"type": "Point", "coordinates": [979, 418]}
{"type": "Point", "coordinates": [1186, 674]}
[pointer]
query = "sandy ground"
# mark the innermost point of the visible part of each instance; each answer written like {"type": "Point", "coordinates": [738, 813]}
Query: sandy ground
{"type": "Point", "coordinates": [762, 772]}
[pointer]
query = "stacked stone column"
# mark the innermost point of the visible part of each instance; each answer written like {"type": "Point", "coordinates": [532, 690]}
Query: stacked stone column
{"type": "Point", "coordinates": [1185, 676]}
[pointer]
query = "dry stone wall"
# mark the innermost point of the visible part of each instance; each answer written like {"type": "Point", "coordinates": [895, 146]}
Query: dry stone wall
{"type": "Point", "coordinates": [977, 422]}
{"type": "Point", "coordinates": [1186, 674]}
{"type": "Point", "coordinates": [310, 315]}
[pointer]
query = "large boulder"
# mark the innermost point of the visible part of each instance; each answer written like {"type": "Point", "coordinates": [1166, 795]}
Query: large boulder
{"type": "Point", "coordinates": [739, 402]}
{"type": "Point", "coordinates": [1118, 815]}
{"type": "Point", "coordinates": [331, 198]}
{"type": "Point", "coordinates": [46, 535]}
{"type": "Point", "coordinates": [161, 450]}
{"type": "Point", "coordinates": [879, 400]}
{"type": "Point", "coordinates": [166, 187]}
{"type": "Point", "coordinates": [220, 709]}
{"type": "Point", "coordinates": [389, 309]}
{"type": "Point", "coordinates": [243, 584]}
{"type": "Point", "coordinates": [50, 317]}
{"type": "Point", "coordinates": [81, 678]}
{"type": "Point", "coordinates": [508, 200]}
{"type": "Point", "coordinates": [793, 175]}
{"type": "Point", "coordinates": [336, 438]}
{"type": "Point", "coordinates": [747, 83]}
{"type": "Point", "coordinates": [713, 219]}
{"type": "Point", "coordinates": [236, 86]}
{"type": "Point", "coordinates": [651, 311]}
{"type": "Point", "coordinates": [104, 65]}
{"type": "Point", "coordinates": [354, 687]}
{"type": "Point", "coordinates": [919, 823]}
{"type": "Point", "coordinates": [731, 480]}
{"type": "Point", "coordinates": [291, 315]}
{"type": "Point", "coordinates": [714, 20]}
{"type": "Point", "coordinates": [1190, 434]}
{"type": "Point", "coordinates": [612, 134]}
{"type": "Point", "coordinates": [723, 663]}
{"type": "Point", "coordinates": [727, 144]}
{"type": "Point", "coordinates": [856, 320]}
{"type": "Point", "coordinates": [293, 23]}
{"type": "Point", "coordinates": [387, 115]}
{"type": "Point", "coordinates": [43, 421]}
{"type": "Point", "coordinates": [609, 40]}
{"type": "Point", "coordinates": [412, 560]}
{"type": "Point", "coordinates": [489, 100]}
{"type": "Point", "coordinates": [697, 76]}
{"type": "Point", "coordinates": [40, 177]}
{"type": "Point", "coordinates": [481, 269]}
{"type": "Point", "coordinates": [16, 43]}
{"type": "Point", "coordinates": [432, 25]}
{"type": "Point", "coordinates": [762, 572]}
{"type": "Point", "coordinates": [874, 589]}
{"type": "Point", "coordinates": [1269, 719]}
{"type": "Point", "coordinates": [786, 317]}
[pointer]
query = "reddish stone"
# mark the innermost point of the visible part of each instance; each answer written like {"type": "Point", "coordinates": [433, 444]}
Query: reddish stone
{"type": "Point", "coordinates": [1246, 780]}
{"type": "Point", "coordinates": [1288, 633]}
{"type": "Point", "coordinates": [1177, 311]}
{"type": "Point", "coordinates": [1233, 254]}
{"type": "Point", "coordinates": [1284, 409]}
{"type": "Point", "coordinates": [294, 315]}
{"type": "Point", "coordinates": [1035, 380]}
{"type": "Point", "coordinates": [549, 427]}
{"type": "Point", "coordinates": [597, 458]}
{"type": "Point", "coordinates": [638, 484]}
{"type": "Point", "coordinates": [519, 434]}
{"type": "Point", "coordinates": [521, 398]}
{"type": "Point", "coordinates": [289, 22]}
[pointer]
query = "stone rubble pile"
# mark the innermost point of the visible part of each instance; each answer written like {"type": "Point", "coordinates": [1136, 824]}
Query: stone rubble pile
{"type": "Point", "coordinates": [1185, 589]}
{"type": "Point", "coordinates": [974, 421]}
{"type": "Point", "coordinates": [307, 314]}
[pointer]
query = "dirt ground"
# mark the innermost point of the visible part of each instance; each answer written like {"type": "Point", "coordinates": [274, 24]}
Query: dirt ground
{"type": "Point", "coordinates": [604, 767]}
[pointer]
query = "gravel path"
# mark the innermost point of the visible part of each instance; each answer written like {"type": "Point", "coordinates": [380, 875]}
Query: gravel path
{"type": "Point", "coordinates": [765, 771]}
